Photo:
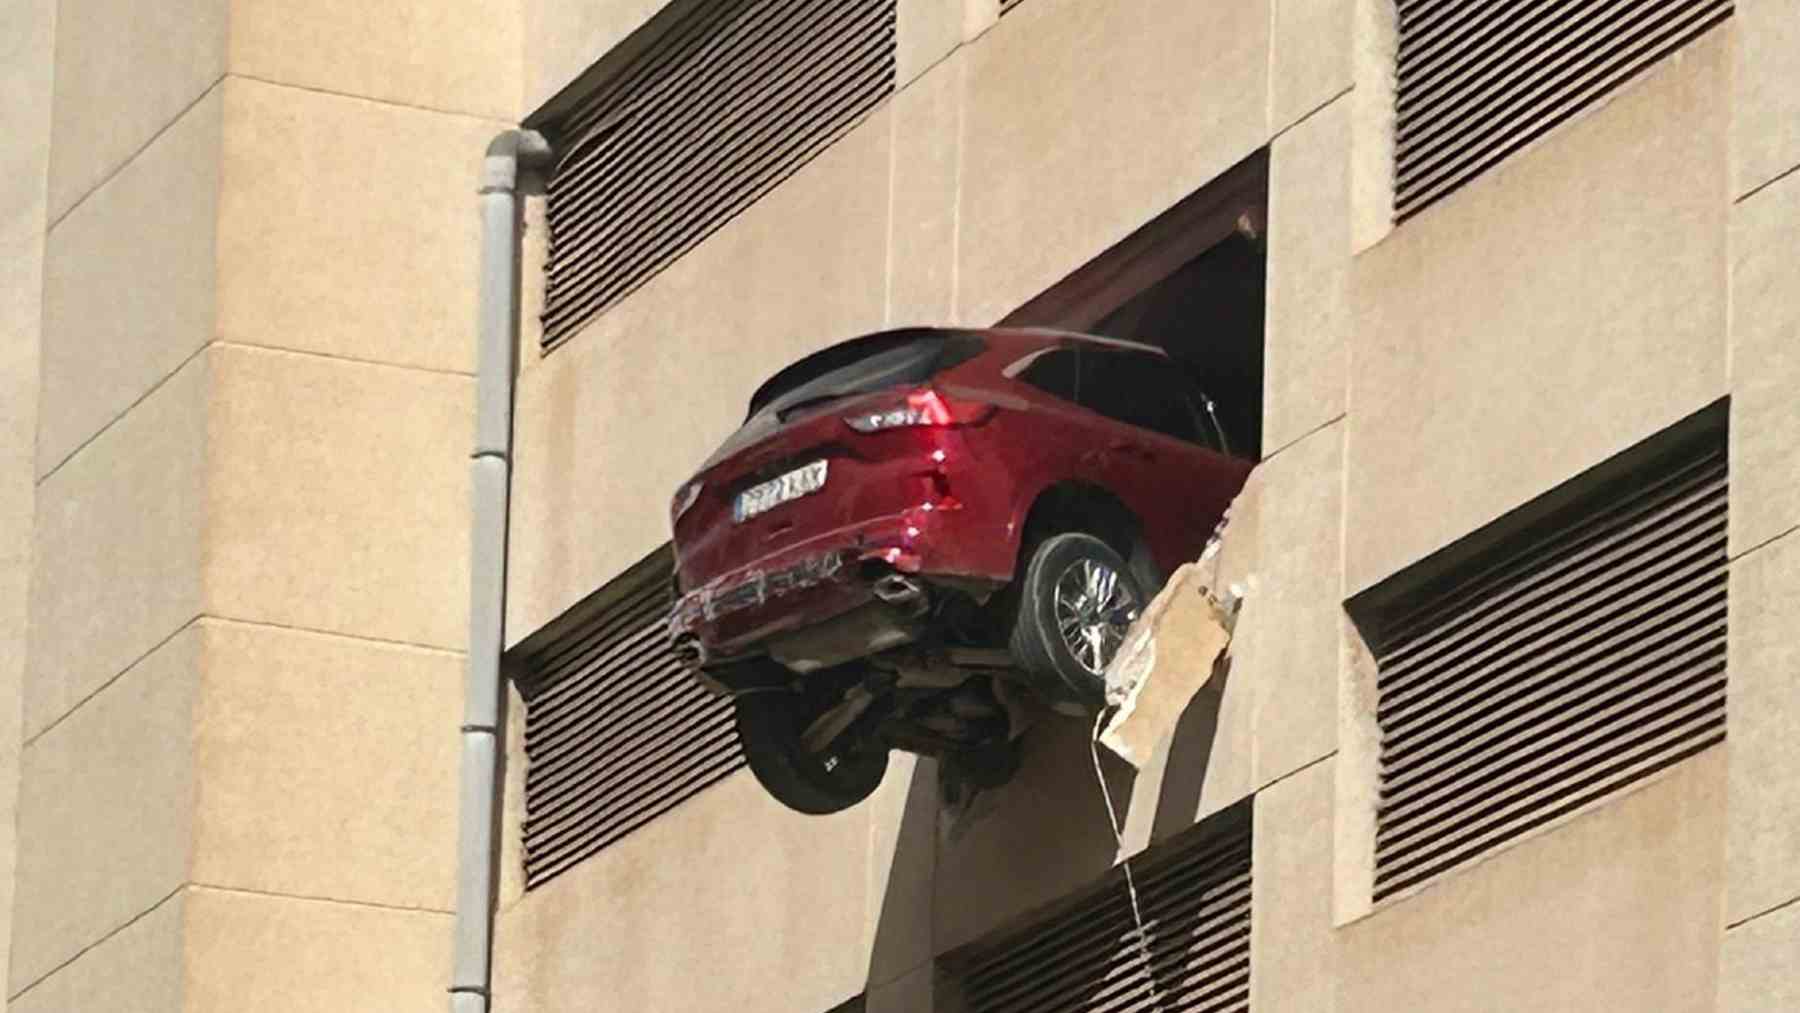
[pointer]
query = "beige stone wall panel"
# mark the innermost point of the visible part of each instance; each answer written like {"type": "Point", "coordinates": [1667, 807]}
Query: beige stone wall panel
{"type": "Point", "coordinates": [129, 283]}
{"type": "Point", "coordinates": [1230, 755]}
{"type": "Point", "coordinates": [117, 559]}
{"type": "Point", "coordinates": [1498, 349]}
{"type": "Point", "coordinates": [1296, 593]}
{"type": "Point", "coordinates": [512, 801]}
{"type": "Point", "coordinates": [927, 149]}
{"type": "Point", "coordinates": [1293, 953]}
{"type": "Point", "coordinates": [18, 410]}
{"type": "Point", "coordinates": [767, 902]}
{"type": "Point", "coordinates": [1031, 842]}
{"type": "Point", "coordinates": [1358, 776]}
{"type": "Point", "coordinates": [253, 952]}
{"type": "Point", "coordinates": [611, 422]}
{"type": "Point", "coordinates": [565, 37]}
{"type": "Point", "coordinates": [534, 252]}
{"type": "Point", "coordinates": [456, 55]}
{"type": "Point", "coordinates": [1130, 105]}
{"type": "Point", "coordinates": [27, 46]}
{"type": "Point", "coordinates": [1616, 910]}
{"type": "Point", "coordinates": [135, 970]}
{"type": "Point", "coordinates": [926, 32]}
{"type": "Point", "coordinates": [1760, 968]}
{"type": "Point", "coordinates": [338, 496]}
{"type": "Point", "coordinates": [125, 69]}
{"type": "Point", "coordinates": [1310, 49]}
{"type": "Point", "coordinates": [1764, 715]}
{"type": "Point", "coordinates": [1231, 759]}
{"type": "Point", "coordinates": [1765, 365]}
{"type": "Point", "coordinates": [27, 40]}
{"type": "Point", "coordinates": [1306, 350]}
{"type": "Point", "coordinates": [1376, 33]}
{"type": "Point", "coordinates": [349, 227]}
{"type": "Point", "coordinates": [326, 767]}
{"type": "Point", "coordinates": [917, 992]}
{"type": "Point", "coordinates": [106, 811]}
{"type": "Point", "coordinates": [1765, 120]}
{"type": "Point", "coordinates": [903, 824]}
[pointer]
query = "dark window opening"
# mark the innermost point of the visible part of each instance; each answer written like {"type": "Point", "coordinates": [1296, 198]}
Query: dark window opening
{"type": "Point", "coordinates": [1552, 658]}
{"type": "Point", "coordinates": [1475, 83]}
{"type": "Point", "coordinates": [1209, 316]}
{"type": "Point", "coordinates": [617, 732]}
{"type": "Point", "coordinates": [1055, 373]}
{"type": "Point", "coordinates": [1085, 952]}
{"type": "Point", "coordinates": [1139, 389]}
{"type": "Point", "coordinates": [1192, 282]}
{"type": "Point", "coordinates": [692, 119]}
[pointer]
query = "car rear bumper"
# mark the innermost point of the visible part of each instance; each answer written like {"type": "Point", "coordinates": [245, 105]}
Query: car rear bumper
{"type": "Point", "coordinates": [815, 581]}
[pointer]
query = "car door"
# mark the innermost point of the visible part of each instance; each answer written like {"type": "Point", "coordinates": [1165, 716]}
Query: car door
{"type": "Point", "coordinates": [1156, 451]}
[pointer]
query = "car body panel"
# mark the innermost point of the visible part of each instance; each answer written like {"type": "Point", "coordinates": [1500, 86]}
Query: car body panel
{"type": "Point", "coordinates": [947, 502]}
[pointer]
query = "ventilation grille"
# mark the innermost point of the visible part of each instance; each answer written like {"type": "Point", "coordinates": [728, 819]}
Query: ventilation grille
{"type": "Point", "coordinates": [1478, 81]}
{"type": "Point", "coordinates": [1196, 908]}
{"type": "Point", "coordinates": [730, 101]}
{"type": "Point", "coordinates": [1586, 662]}
{"type": "Point", "coordinates": [616, 730]}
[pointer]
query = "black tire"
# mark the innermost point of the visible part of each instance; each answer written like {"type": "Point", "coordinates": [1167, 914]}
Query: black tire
{"type": "Point", "coordinates": [1037, 643]}
{"type": "Point", "coordinates": [769, 726]}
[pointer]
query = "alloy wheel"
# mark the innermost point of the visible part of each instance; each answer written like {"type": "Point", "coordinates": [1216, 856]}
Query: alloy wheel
{"type": "Point", "coordinates": [1094, 610]}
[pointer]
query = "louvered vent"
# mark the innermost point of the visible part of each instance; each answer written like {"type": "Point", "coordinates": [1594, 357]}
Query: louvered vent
{"type": "Point", "coordinates": [616, 731]}
{"type": "Point", "coordinates": [724, 105]}
{"type": "Point", "coordinates": [1585, 661]}
{"type": "Point", "coordinates": [1195, 899]}
{"type": "Point", "coordinates": [1479, 79]}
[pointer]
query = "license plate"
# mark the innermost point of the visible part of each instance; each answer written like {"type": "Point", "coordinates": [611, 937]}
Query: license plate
{"type": "Point", "coordinates": [759, 499]}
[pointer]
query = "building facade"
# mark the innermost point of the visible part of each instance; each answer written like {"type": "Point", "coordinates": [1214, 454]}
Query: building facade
{"type": "Point", "coordinates": [1504, 298]}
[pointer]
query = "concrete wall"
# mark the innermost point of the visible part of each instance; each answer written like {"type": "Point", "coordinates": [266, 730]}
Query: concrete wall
{"type": "Point", "coordinates": [1761, 958]}
{"type": "Point", "coordinates": [248, 586]}
{"type": "Point", "coordinates": [1422, 380]}
{"type": "Point", "coordinates": [26, 72]}
{"type": "Point", "coordinates": [233, 445]}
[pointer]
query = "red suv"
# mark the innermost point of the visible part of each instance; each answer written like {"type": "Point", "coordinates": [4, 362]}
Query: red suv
{"type": "Point", "coordinates": [914, 530]}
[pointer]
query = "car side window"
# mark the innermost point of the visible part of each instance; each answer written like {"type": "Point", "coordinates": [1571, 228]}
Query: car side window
{"type": "Point", "coordinates": [1140, 390]}
{"type": "Point", "coordinates": [1055, 372]}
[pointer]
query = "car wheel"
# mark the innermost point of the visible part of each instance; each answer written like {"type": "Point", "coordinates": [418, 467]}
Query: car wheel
{"type": "Point", "coordinates": [1077, 599]}
{"type": "Point", "coordinates": [770, 725]}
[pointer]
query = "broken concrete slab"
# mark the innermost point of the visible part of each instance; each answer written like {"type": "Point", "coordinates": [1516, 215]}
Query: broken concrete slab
{"type": "Point", "coordinates": [1170, 654]}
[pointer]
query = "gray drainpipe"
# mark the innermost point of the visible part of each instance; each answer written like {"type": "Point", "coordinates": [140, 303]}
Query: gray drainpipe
{"type": "Point", "coordinates": [513, 156]}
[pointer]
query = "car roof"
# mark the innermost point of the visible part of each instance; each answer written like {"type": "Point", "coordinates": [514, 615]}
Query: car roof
{"type": "Point", "coordinates": [847, 351]}
{"type": "Point", "coordinates": [1052, 334]}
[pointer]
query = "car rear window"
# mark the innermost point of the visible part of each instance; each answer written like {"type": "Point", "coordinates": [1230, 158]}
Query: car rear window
{"type": "Point", "coordinates": [865, 365]}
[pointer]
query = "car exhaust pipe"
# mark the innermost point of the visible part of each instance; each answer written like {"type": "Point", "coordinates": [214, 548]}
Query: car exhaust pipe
{"type": "Point", "coordinates": [898, 589]}
{"type": "Point", "coordinates": [689, 650]}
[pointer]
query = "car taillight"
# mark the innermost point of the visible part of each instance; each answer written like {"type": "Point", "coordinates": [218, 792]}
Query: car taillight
{"type": "Point", "coordinates": [921, 408]}
{"type": "Point", "coordinates": [684, 498]}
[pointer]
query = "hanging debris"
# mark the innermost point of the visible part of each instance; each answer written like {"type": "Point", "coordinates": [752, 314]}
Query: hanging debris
{"type": "Point", "coordinates": [1170, 654]}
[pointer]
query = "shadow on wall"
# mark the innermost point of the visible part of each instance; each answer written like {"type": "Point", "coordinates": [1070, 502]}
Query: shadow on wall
{"type": "Point", "coordinates": [1009, 857]}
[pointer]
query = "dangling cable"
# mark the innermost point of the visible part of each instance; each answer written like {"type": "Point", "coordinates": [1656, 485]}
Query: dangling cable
{"type": "Point", "coordinates": [1112, 818]}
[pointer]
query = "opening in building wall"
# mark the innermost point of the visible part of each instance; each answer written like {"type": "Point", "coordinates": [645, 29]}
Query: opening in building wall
{"type": "Point", "coordinates": [1192, 282]}
{"type": "Point", "coordinates": [1552, 658]}
{"type": "Point", "coordinates": [617, 732]}
{"type": "Point", "coordinates": [1087, 952]}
